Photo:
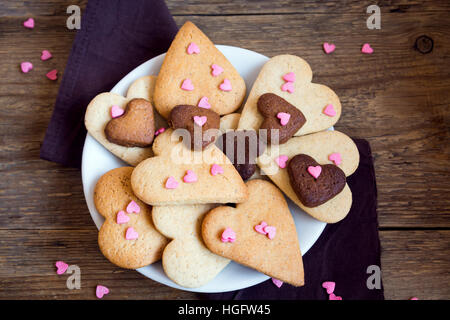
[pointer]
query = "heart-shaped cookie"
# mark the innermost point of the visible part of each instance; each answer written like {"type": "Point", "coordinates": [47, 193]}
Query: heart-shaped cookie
{"type": "Point", "coordinates": [202, 124]}
{"type": "Point", "coordinates": [98, 114]}
{"type": "Point", "coordinates": [135, 128]}
{"type": "Point", "coordinates": [279, 257]}
{"type": "Point", "coordinates": [185, 259]}
{"type": "Point", "coordinates": [279, 115]}
{"type": "Point", "coordinates": [310, 98]}
{"type": "Point", "coordinates": [242, 147]}
{"type": "Point", "coordinates": [319, 146]}
{"type": "Point", "coordinates": [314, 184]}
{"type": "Point", "coordinates": [171, 163]}
{"type": "Point", "coordinates": [127, 239]}
{"type": "Point", "coordinates": [193, 57]}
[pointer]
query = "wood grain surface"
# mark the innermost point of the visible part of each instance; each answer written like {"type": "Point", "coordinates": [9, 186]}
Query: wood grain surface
{"type": "Point", "coordinates": [397, 98]}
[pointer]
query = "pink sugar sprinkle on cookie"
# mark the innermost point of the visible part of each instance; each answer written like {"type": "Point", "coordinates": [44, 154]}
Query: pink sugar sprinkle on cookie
{"type": "Point", "coordinates": [133, 207]}
{"type": "Point", "coordinates": [159, 131]}
{"type": "Point", "coordinates": [216, 169]}
{"type": "Point", "coordinates": [260, 227]}
{"type": "Point", "coordinates": [100, 291]}
{"type": "Point", "coordinates": [336, 158]}
{"type": "Point", "coordinates": [329, 110]}
{"type": "Point", "coordinates": [116, 111]}
{"type": "Point", "coordinates": [122, 217]}
{"type": "Point", "coordinates": [187, 85]}
{"type": "Point", "coordinates": [131, 234]}
{"type": "Point", "coordinates": [315, 171]}
{"type": "Point", "coordinates": [193, 48]}
{"type": "Point", "coordinates": [289, 77]}
{"type": "Point", "coordinates": [200, 120]}
{"type": "Point", "coordinates": [288, 87]}
{"type": "Point", "coordinates": [203, 103]}
{"type": "Point", "coordinates": [225, 85]}
{"type": "Point", "coordinates": [190, 177]}
{"type": "Point", "coordinates": [228, 235]}
{"type": "Point", "coordinates": [171, 183]}
{"type": "Point", "coordinates": [284, 118]}
{"type": "Point", "coordinates": [281, 161]}
{"type": "Point", "coordinates": [61, 267]}
{"type": "Point", "coordinates": [271, 231]}
{"type": "Point", "coordinates": [216, 70]}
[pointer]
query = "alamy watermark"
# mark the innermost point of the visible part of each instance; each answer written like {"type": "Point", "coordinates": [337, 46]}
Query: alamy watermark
{"type": "Point", "coordinates": [374, 21]}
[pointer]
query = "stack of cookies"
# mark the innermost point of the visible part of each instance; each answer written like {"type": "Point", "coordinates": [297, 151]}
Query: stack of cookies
{"type": "Point", "coordinates": [207, 171]}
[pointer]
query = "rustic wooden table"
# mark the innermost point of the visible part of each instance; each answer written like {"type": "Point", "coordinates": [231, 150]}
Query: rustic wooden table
{"type": "Point", "coordinates": [397, 98]}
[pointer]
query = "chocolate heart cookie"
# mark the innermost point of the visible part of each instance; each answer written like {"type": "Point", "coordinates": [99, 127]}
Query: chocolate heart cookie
{"type": "Point", "coordinates": [198, 121]}
{"type": "Point", "coordinates": [312, 183]}
{"type": "Point", "coordinates": [244, 147]}
{"type": "Point", "coordinates": [281, 115]}
{"type": "Point", "coordinates": [135, 128]}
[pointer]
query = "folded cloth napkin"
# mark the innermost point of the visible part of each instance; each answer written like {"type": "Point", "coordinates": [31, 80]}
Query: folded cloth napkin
{"type": "Point", "coordinates": [115, 37]}
{"type": "Point", "coordinates": [342, 254]}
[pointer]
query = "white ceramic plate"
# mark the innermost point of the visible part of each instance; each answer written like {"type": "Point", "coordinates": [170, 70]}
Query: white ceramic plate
{"type": "Point", "coordinates": [97, 161]}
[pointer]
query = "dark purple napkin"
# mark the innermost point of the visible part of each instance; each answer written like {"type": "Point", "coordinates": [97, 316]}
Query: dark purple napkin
{"type": "Point", "coordinates": [115, 37]}
{"type": "Point", "coordinates": [342, 254]}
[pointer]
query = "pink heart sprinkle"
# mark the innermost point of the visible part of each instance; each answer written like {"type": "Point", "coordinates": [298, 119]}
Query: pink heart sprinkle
{"type": "Point", "coordinates": [260, 227]}
{"type": "Point", "coordinates": [225, 85]}
{"type": "Point", "coordinates": [45, 55]}
{"type": "Point", "coordinates": [284, 118]}
{"type": "Point", "coordinates": [277, 282]}
{"type": "Point", "coordinates": [53, 74]}
{"type": "Point", "coordinates": [328, 48]}
{"type": "Point", "coordinates": [29, 23]}
{"type": "Point", "coordinates": [315, 171]}
{"type": "Point", "coordinates": [100, 291]}
{"type": "Point", "coordinates": [133, 207]}
{"type": "Point", "coordinates": [190, 177]}
{"type": "Point", "coordinates": [288, 86]}
{"type": "Point", "coordinates": [122, 217]}
{"type": "Point", "coordinates": [203, 103]}
{"type": "Point", "coordinates": [271, 231]}
{"type": "Point", "coordinates": [26, 66]}
{"type": "Point", "coordinates": [131, 234]}
{"type": "Point", "coordinates": [289, 77]}
{"type": "Point", "coordinates": [216, 70]}
{"type": "Point", "coordinates": [228, 235]}
{"type": "Point", "coordinates": [216, 169]}
{"type": "Point", "coordinates": [187, 85]}
{"type": "Point", "coordinates": [159, 131]}
{"type": "Point", "coordinates": [334, 297]}
{"type": "Point", "coordinates": [336, 158]}
{"type": "Point", "coordinates": [414, 298]}
{"type": "Point", "coordinates": [329, 285]}
{"type": "Point", "coordinates": [329, 110]}
{"type": "Point", "coordinates": [193, 48]}
{"type": "Point", "coordinates": [200, 120]}
{"type": "Point", "coordinates": [116, 111]}
{"type": "Point", "coordinates": [171, 183]}
{"type": "Point", "coordinates": [281, 161]}
{"type": "Point", "coordinates": [61, 267]}
{"type": "Point", "coordinates": [367, 49]}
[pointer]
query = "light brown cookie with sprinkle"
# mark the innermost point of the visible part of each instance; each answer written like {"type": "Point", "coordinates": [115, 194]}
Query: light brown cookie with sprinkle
{"type": "Point", "coordinates": [192, 57]}
{"type": "Point", "coordinates": [112, 195]}
{"type": "Point", "coordinates": [278, 257]}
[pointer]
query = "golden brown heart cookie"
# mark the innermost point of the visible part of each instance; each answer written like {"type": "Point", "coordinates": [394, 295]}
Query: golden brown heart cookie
{"type": "Point", "coordinates": [197, 121]}
{"type": "Point", "coordinates": [279, 115]}
{"type": "Point", "coordinates": [135, 128]}
{"type": "Point", "coordinates": [314, 191]}
{"type": "Point", "coordinates": [195, 72]}
{"type": "Point", "coordinates": [276, 253]}
{"type": "Point", "coordinates": [112, 198]}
